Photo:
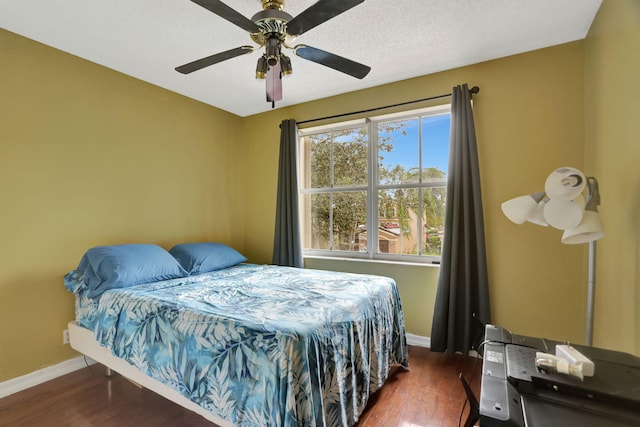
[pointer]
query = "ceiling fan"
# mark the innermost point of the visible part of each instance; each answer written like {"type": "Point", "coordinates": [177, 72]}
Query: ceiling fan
{"type": "Point", "coordinates": [273, 29]}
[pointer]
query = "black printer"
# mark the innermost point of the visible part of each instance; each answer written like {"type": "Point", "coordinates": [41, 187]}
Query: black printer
{"type": "Point", "coordinates": [515, 393]}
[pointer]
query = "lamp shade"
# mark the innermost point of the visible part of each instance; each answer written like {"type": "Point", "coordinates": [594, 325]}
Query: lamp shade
{"type": "Point", "coordinates": [564, 214]}
{"type": "Point", "coordinates": [520, 209]}
{"type": "Point", "coordinates": [564, 184]}
{"type": "Point", "coordinates": [589, 229]}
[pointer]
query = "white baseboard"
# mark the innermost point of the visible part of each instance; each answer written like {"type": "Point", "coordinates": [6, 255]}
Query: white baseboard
{"type": "Point", "coordinates": [421, 341]}
{"type": "Point", "coordinates": [418, 340]}
{"type": "Point", "coordinates": [42, 375]}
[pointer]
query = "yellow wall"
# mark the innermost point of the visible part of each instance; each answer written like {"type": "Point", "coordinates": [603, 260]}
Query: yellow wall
{"type": "Point", "coordinates": [529, 119]}
{"type": "Point", "coordinates": [88, 157]}
{"type": "Point", "coordinates": [612, 111]}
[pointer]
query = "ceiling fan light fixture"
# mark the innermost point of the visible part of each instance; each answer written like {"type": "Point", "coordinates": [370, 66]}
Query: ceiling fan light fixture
{"type": "Point", "coordinates": [285, 65]}
{"type": "Point", "coordinates": [272, 50]}
{"type": "Point", "coordinates": [261, 68]}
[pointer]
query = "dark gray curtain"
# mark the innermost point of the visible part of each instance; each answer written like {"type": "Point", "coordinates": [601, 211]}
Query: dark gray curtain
{"type": "Point", "coordinates": [287, 247]}
{"type": "Point", "coordinates": [463, 289]}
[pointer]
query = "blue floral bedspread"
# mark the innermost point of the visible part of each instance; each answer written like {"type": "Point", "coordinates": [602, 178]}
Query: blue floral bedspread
{"type": "Point", "coordinates": [257, 345]}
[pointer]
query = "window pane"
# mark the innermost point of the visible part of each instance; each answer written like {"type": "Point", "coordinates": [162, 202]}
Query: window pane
{"type": "Point", "coordinates": [435, 147]}
{"type": "Point", "coordinates": [349, 219]}
{"type": "Point", "coordinates": [336, 220]}
{"type": "Point", "coordinates": [316, 215]}
{"type": "Point", "coordinates": [350, 157]}
{"type": "Point", "coordinates": [398, 152]}
{"type": "Point", "coordinates": [433, 202]}
{"type": "Point", "coordinates": [402, 213]}
{"type": "Point", "coordinates": [398, 213]}
{"type": "Point", "coordinates": [316, 151]}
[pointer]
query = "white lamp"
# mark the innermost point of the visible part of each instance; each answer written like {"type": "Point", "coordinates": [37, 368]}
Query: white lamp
{"type": "Point", "coordinates": [562, 206]}
{"type": "Point", "coordinates": [521, 208]}
{"type": "Point", "coordinates": [590, 228]}
{"type": "Point", "coordinates": [564, 214]}
{"type": "Point", "coordinates": [564, 184]}
{"type": "Point", "coordinates": [588, 231]}
{"type": "Point", "coordinates": [563, 187]}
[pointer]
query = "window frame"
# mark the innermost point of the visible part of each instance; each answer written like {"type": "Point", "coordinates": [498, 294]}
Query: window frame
{"type": "Point", "coordinates": [372, 188]}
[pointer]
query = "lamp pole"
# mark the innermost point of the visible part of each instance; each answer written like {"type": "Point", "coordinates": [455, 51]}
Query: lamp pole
{"type": "Point", "coordinates": [591, 288]}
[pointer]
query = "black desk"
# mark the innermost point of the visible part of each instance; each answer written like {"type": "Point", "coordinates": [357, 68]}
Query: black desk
{"type": "Point", "coordinates": [514, 393]}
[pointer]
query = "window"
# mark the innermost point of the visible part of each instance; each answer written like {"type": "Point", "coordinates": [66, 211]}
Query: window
{"type": "Point", "coordinates": [376, 188]}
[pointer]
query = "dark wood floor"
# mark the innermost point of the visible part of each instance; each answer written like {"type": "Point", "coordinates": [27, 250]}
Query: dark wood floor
{"type": "Point", "coordinates": [430, 394]}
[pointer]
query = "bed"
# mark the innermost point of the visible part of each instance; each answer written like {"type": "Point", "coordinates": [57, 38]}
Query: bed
{"type": "Point", "coordinates": [242, 344]}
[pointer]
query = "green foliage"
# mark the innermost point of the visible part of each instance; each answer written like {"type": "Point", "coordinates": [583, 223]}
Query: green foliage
{"type": "Point", "coordinates": [433, 243]}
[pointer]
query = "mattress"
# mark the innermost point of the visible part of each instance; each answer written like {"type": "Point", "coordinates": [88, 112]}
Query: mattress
{"type": "Point", "coordinates": [255, 344]}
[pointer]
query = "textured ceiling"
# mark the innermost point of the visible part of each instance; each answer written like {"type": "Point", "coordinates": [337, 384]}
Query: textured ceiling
{"type": "Point", "coordinates": [398, 39]}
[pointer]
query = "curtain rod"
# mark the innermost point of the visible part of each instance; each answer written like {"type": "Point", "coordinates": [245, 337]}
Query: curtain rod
{"type": "Point", "coordinates": [472, 91]}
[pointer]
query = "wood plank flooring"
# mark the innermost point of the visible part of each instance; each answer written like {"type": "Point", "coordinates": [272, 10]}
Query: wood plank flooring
{"type": "Point", "coordinates": [430, 394]}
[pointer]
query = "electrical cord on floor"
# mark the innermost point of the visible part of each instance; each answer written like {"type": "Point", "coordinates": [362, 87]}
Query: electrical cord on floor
{"type": "Point", "coordinates": [464, 405]}
{"type": "Point", "coordinates": [473, 369]}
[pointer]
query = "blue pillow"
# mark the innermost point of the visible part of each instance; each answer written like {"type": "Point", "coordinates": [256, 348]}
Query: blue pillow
{"type": "Point", "coordinates": [120, 266]}
{"type": "Point", "coordinates": [198, 258]}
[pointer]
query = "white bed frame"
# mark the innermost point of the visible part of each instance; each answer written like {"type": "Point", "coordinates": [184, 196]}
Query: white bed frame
{"type": "Point", "coordinates": [81, 339]}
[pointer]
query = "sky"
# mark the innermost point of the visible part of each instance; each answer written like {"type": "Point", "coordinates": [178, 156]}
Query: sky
{"type": "Point", "coordinates": [435, 134]}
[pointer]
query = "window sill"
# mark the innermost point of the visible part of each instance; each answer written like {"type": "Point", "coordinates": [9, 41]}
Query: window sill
{"type": "Point", "coordinates": [374, 261]}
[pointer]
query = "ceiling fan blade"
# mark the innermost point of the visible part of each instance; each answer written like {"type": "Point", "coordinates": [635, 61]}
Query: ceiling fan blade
{"type": "Point", "coordinates": [213, 59]}
{"type": "Point", "coordinates": [231, 15]}
{"type": "Point", "coordinates": [318, 13]}
{"type": "Point", "coordinates": [331, 60]}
